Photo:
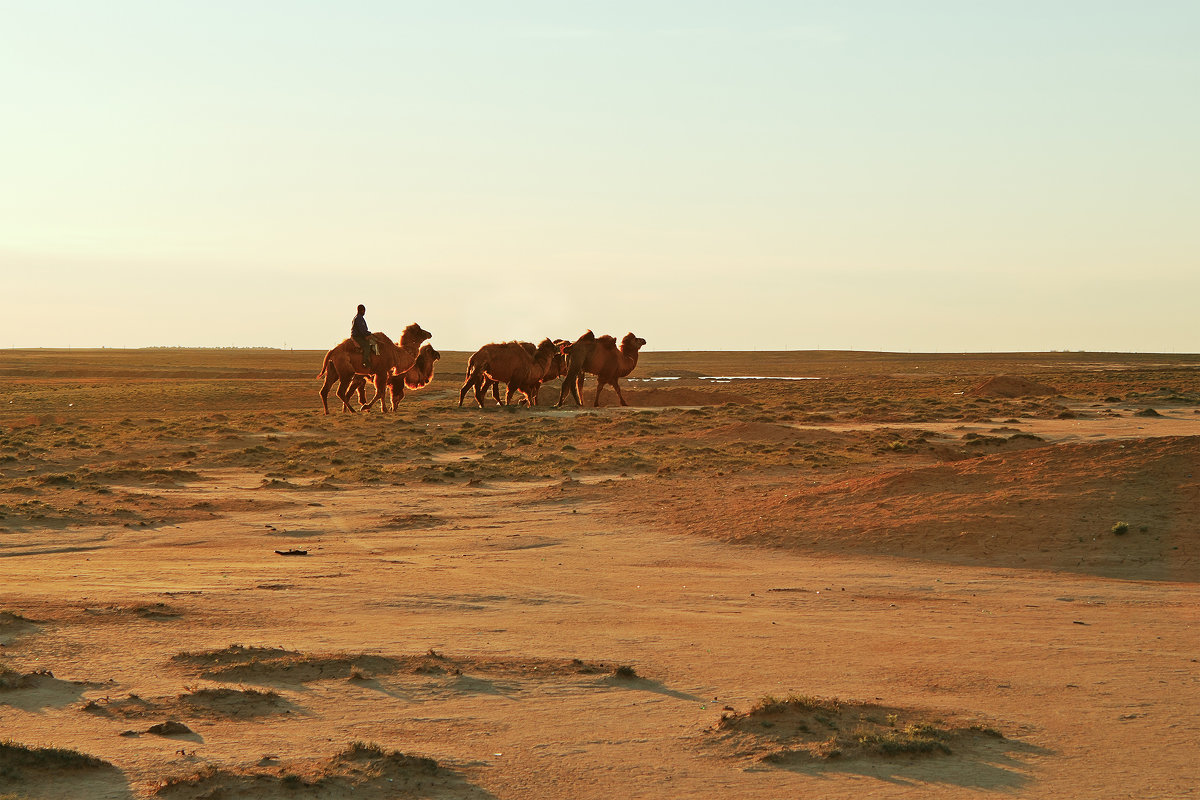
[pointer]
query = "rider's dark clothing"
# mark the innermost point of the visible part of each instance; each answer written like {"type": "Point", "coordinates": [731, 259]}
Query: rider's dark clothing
{"type": "Point", "coordinates": [360, 333]}
{"type": "Point", "coordinates": [358, 328]}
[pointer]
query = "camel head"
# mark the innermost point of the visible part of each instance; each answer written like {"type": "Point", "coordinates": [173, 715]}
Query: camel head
{"type": "Point", "coordinates": [422, 372]}
{"type": "Point", "coordinates": [547, 349]}
{"type": "Point", "coordinates": [427, 356]}
{"type": "Point", "coordinates": [558, 365]}
{"type": "Point", "coordinates": [631, 343]}
{"type": "Point", "coordinates": [413, 335]}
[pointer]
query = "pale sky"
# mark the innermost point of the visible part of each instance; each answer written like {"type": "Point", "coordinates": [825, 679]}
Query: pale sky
{"type": "Point", "coordinates": [918, 175]}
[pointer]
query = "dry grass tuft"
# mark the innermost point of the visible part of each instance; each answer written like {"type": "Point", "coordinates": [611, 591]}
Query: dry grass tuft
{"type": "Point", "coordinates": [10, 679]}
{"type": "Point", "coordinates": [361, 769]}
{"type": "Point", "coordinates": [17, 760]}
{"type": "Point", "coordinates": [811, 728]}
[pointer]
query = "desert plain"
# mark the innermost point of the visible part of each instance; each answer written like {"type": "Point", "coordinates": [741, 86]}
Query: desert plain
{"type": "Point", "coordinates": [773, 575]}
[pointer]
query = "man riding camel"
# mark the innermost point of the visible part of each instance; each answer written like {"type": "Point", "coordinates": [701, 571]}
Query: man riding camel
{"type": "Point", "coordinates": [361, 334]}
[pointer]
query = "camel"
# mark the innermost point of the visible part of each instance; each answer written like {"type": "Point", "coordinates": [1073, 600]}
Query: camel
{"type": "Point", "coordinates": [509, 363]}
{"type": "Point", "coordinates": [416, 378]}
{"type": "Point", "coordinates": [557, 368]}
{"type": "Point", "coordinates": [343, 362]}
{"type": "Point", "coordinates": [599, 356]}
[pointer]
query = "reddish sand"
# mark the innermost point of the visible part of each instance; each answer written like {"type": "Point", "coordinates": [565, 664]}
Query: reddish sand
{"type": "Point", "coordinates": [968, 596]}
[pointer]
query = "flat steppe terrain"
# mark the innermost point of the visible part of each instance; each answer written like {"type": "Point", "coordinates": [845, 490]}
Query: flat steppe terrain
{"type": "Point", "coordinates": [909, 576]}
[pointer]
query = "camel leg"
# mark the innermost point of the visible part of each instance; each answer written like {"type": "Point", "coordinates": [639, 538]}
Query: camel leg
{"type": "Point", "coordinates": [358, 385]}
{"type": "Point", "coordinates": [380, 381]}
{"type": "Point", "coordinates": [599, 386]}
{"type": "Point", "coordinates": [617, 387]}
{"type": "Point", "coordinates": [571, 384]}
{"type": "Point", "coordinates": [381, 390]}
{"type": "Point", "coordinates": [397, 392]}
{"type": "Point", "coordinates": [495, 390]}
{"type": "Point", "coordinates": [343, 392]}
{"type": "Point", "coordinates": [478, 380]}
{"type": "Point", "coordinates": [470, 382]}
{"type": "Point", "coordinates": [378, 395]}
{"type": "Point", "coordinates": [330, 377]}
{"type": "Point", "coordinates": [508, 395]}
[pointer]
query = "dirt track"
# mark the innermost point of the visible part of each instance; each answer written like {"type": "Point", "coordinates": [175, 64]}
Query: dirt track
{"type": "Point", "coordinates": [474, 579]}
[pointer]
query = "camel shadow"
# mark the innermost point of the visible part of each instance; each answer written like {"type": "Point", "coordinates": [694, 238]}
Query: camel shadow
{"type": "Point", "coordinates": [376, 685]}
{"type": "Point", "coordinates": [14, 626]}
{"type": "Point", "coordinates": [995, 766]}
{"type": "Point", "coordinates": [459, 684]}
{"type": "Point", "coordinates": [646, 685]}
{"type": "Point", "coordinates": [39, 691]}
{"type": "Point", "coordinates": [298, 532]}
{"type": "Point", "coordinates": [191, 736]}
{"type": "Point", "coordinates": [466, 684]}
{"type": "Point", "coordinates": [107, 781]}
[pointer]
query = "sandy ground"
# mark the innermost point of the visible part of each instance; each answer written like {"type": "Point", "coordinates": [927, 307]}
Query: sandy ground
{"type": "Point", "coordinates": [566, 603]}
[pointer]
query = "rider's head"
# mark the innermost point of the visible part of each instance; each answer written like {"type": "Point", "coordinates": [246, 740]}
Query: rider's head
{"type": "Point", "coordinates": [362, 309]}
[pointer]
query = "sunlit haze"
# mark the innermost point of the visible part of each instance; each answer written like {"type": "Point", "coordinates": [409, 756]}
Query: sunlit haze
{"type": "Point", "coordinates": [924, 176]}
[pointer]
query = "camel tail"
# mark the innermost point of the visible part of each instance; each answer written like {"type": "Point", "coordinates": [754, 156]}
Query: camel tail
{"type": "Point", "coordinates": [325, 364]}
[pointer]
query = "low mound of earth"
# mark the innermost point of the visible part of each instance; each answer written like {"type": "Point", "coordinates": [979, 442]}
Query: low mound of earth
{"type": "Point", "coordinates": [162, 477]}
{"type": "Point", "coordinates": [56, 772]}
{"type": "Point", "coordinates": [361, 770]}
{"type": "Point", "coordinates": [1049, 507]}
{"type": "Point", "coordinates": [41, 682]}
{"type": "Point", "coordinates": [219, 702]}
{"type": "Point", "coordinates": [1011, 386]}
{"type": "Point", "coordinates": [160, 612]}
{"type": "Point", "coordinates": [646, 398]}
{"type": "Point", "coordinates": [11, 679]}
{"type": "Point", "coordinates": [13, 625]}
{"type": "Point", "coordinates": [260, 664]}
{"type": "Point", "coordinates": [806, 729]}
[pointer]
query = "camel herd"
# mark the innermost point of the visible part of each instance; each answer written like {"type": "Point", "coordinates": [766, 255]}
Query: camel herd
{"type": "Point", "coordinates": [521, 366]}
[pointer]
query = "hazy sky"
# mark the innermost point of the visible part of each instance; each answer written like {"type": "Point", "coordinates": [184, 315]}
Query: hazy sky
{"type": "Point", "coordinates": [916, 175]}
